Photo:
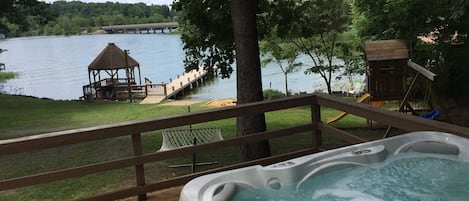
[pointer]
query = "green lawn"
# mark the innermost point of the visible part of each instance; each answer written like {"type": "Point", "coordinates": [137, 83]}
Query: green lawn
{"type": "Point", "coordinates": [24, 116]}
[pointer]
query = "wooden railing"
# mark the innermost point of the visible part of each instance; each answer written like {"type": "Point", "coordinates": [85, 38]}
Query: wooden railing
{"type": "Point", "coordinates": [136, 128]}
{"type": "Point", "coordinates": [113, 89]}
{"type": "Point", "coordinates": [157, 89]}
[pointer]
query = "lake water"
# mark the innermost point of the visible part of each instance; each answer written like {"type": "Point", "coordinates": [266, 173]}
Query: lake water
{"type": "Point", "coordinates": [56, 67]}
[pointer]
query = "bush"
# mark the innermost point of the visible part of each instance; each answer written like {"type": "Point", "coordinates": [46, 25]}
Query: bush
{"type": "Point", "coordinates": [271, 94]}
{"type": "Point", "coordinates": [7, 75]}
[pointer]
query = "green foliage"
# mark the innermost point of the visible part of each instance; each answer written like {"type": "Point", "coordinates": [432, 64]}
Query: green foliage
{"type": "Point", "coordinates": [314, 27]}
{"type": "Point", "coordinates": [207, 34]}
{"type": "Point", "coordinates": [92, 10]}
{"type": "Point", "coordinates": [19, 16]}
{"type": "Point", "coordinates": [276, 51]}
{"type": "Point", "coordinates": [67, 18]}
{"type": "Point", "coordinates": [349, 49]}
{"type": "Point", "coordinates": [445, 21]}
{"type": "Point", "coordinates": [7, 75]}
{"type": "Point", "coordinates": [384, 19]}
{"type": "Point", "coordinates": [272, 94]}
{"type": "Point", "coordinates": [77, 17]}
{"type": "Point", "coordinates": [13, 29]}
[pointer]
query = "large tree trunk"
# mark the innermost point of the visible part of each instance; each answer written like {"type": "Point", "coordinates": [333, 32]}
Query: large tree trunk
{"type": "Point", "coordinates": [248, 68]}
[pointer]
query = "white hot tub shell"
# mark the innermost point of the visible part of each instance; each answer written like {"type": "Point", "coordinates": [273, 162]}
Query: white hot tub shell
{"type": "Point", "coordinates": [221, 186]}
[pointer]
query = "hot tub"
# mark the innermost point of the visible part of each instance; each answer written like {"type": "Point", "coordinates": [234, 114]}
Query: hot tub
{"type": "Point", "coordinates": [414, 166]}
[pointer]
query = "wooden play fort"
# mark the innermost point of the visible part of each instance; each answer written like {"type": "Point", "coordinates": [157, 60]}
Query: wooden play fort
{"type": "Point", "coordinates": [387, 72]}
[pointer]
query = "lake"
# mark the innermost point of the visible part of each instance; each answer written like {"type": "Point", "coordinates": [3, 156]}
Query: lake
{"type": "Point", "coordinates": [56, 67]}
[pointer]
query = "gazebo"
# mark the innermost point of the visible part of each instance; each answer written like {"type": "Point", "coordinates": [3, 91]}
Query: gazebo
{"type": "Point", "coordinates": [114, 62]}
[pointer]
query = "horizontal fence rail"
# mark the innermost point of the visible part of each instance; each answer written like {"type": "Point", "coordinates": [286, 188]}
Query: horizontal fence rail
{"type": "Point", "coordinates": [135, 128]}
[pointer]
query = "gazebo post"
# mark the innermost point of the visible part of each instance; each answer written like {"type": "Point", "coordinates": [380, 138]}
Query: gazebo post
{"type": "Point", "coordinates": [91, 86]}
{"type": "Point", "coordinates": [94, 82]}
{"type": "Point", "coordinates": [139, 75]}
{"type": "Point", "coordinates": [127, 69]}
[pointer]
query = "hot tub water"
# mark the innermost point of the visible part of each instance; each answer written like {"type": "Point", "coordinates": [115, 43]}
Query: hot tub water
{"type": "Point", "coordinates": [406, 176]}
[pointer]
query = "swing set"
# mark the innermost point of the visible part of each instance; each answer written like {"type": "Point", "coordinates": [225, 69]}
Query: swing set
{"type": "Point", "coordinates": [388, 79]}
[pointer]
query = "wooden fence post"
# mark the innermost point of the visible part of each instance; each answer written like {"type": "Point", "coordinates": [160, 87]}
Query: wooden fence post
{"type": "Point", "coordinates": [316, 120]}
{"type": "Point", "coordinates": [139, 169]}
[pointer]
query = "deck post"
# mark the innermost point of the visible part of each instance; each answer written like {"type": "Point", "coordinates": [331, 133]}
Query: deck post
{"type": "Point", "coordinates": [316, 120]}
{"type": "Point", "coordinates": [139, 169]}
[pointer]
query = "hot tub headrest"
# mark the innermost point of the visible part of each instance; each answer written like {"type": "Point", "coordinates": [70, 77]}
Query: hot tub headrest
{"type": "Point", "coordinates": [226, 191]}
{"type": "Point", "coordinates": [434, 147]}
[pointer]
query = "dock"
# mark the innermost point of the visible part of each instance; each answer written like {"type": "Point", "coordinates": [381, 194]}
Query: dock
{"type": "Point", "coordinates": [159, 92]}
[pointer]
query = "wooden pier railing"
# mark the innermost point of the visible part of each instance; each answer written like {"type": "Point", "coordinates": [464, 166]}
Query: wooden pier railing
{"type": "Point", "coordinates": [134, 129]}
{"type": "Point", "coordinates": [115, 89]}
{"type": "Point", "coordinates": [176, 87]}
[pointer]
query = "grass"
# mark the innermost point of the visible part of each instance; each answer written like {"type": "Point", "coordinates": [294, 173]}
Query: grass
{"type": "Point", "coordinates": [25, 116]}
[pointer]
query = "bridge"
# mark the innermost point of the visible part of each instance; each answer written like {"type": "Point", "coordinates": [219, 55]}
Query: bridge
{"type": "Point", "coordinates": [141, 28]}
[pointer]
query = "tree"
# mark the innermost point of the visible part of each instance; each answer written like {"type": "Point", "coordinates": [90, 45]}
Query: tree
{"type": "Point", "coordinates": [276, 51]}
{"type": "Point", "coordinates": [332, 18]}
{"type": "Point", "coordinates": [351, 53]}
{"type": "Point", "coordinates": [207, 34]}
{"type": "Point", "coordinates": [249, 89]}
{"type": "Point", "coordinates": [22, 13]}
{"type": "Point", "coordinates": [314, 27]}
{"type": "Point", "coordinates": [446, 22]}
{"type": "Point", "coordinates": [212, 31]}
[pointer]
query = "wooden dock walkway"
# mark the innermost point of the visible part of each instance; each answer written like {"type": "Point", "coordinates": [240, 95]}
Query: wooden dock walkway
{"type": "Point", "coordinates": [160, 92]}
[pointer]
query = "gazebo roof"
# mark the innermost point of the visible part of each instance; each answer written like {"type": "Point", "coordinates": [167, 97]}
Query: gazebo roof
{"type": "Point", "coordinates": [112, 58]}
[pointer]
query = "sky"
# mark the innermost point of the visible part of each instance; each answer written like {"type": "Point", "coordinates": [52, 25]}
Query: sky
{"type": "Point", "coordinates": [148, 2]}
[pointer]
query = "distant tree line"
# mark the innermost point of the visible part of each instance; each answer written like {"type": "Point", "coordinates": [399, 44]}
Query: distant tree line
{"type": "Point", "coordinates": [32, 18]}
{"type": "Point", "coordinates": [21, 16]}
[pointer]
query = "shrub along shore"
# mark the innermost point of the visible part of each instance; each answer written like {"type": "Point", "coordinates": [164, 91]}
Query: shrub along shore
{"type": "Point", "coordinates": [7, 75]}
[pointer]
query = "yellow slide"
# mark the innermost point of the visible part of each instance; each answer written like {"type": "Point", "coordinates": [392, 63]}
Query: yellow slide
{"type": "Point", "coordinates": [359, 100]}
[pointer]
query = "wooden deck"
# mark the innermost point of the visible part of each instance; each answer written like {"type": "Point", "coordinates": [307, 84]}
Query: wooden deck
{"type": "Point", "coordinates": [135, 130]}
{"type": "Point", "coordinates": [160, 92]}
